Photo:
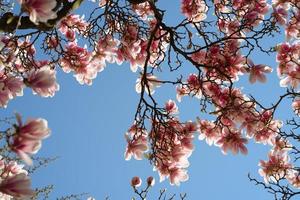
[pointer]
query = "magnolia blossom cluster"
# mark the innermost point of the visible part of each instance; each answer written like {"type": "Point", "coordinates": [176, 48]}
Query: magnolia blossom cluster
{"type": "Point", "coordinates": [172, 142]}
{"type": "Point", "coordinates": [247, 14]}
{"type": "Point", "coordinates": [237, 116]}
{"type": "Point", "coordinates": [130, 46]}
{"type": "Point", "coordinates": [134, 49]}
{"type": "Point", "coordinates": [287, 14]}
{"type": "Point", "coordinates": [278, 165]}
{"type": "Point", "coordinates": [143, 9]}
{"type": "Point", "coordinates": [194, 10]}
{"type": "Point", "coordinates": [16, 75]}
{"type": "Point", "coordinates": [288, 56]}
{"type": "Point", "coordinates": [78, 60]}
{"type": "Point", "coordinates": [14, 182]}
{"type": "Point", "coordinates": [71, 25]}
{"type": "Point", "coordinates": [226, 63]}
{"type": "Point", "coordinates": [252, 12]}
{"type": "Point", "coordinates": [171, 145]}
{"type": "Point", "coordinates": [27, 138]}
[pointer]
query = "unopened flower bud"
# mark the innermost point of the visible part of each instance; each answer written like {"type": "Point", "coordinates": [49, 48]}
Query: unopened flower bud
{"type": "Point", "coordinates": [136, 181]}
{"type": "Point", "coordinates": [150, 181]}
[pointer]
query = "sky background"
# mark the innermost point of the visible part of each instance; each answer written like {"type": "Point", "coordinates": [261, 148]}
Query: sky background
{"type": "Point", "coordinates": [88, 124]}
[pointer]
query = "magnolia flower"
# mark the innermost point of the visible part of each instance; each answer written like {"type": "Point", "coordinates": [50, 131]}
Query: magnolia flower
{"type": "Point", "coordinates": [294, 178]}
{"type": "Point", "coordinates": [136, 148]}
{"type": "Point", "coordinates": [43, 81]}
{"type": "Point", "coordinates": [296, 106]}
{"type": "Point", "coordinates": [257, 72]}
{"type": "Point", "coordinates": [194, 10]}
{"type": "Point", "coordinates": [23, 147]}
{"type": "Point", "coordinates": [233, 141]}
{"type": "Point", "coordinates": [148, 85]}
{"type": "Point", "coordinates": [27, 139]}
{"type": "Point", "coordinates": [39, 10]}
{"type": "Point", "coordinates": [17, 186]}
{"type": "Point", "coordinates": [276, 167]}
{"type": "Point", "coordinates": [178, 175]}
{"type": "Point", "coordinates": [171, 107]}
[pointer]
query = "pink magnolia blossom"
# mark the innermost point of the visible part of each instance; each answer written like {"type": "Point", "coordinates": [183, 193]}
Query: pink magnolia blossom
{"type": "Point", "coordinates": [194, 10]}
{"type": "Point", "coordinates": [10, 87]}
{"type": "Point", "coordinates": [81, 62]}
{"type": "Point", "coordinates": [233, 141]}
{"type": "Point", "coordinates": [294, 178]}
{"type": "Point", "coordinates": [23, 147]}
{"type": "Point", "coordinates": [178, 175]}
{"type": "Point", "coordinates": [136, 147]}
{"type": "Point", "coordinates": [28, 136]}
{"type": "Point", "coordinates": [292, 78]}
{"type": "Point", "coordinates": [39, 10]}
{"type": "Point", "coordinates": [257, 72]}
{"type": "Point", "coordinates": [281, 145]}
{"type": "Point", "coordinates": [208, 131]}
{"type": "Point", "coordinates": [148, 85]}
{"type": "Point", "coordinates": [14, 182]}
{"type": "Point", "coordinates": [171, 107]}
{"type": "Point", "coordinates": [17, 186]}
{"type": "Point", "coordinates": [296, 106]}
{"type": "Point", "coordinates": [180, 92]}
{"type": "Point", "coordinates": [43, 81]}
{"type": "Point", "coordinates": [143, 9]}
{"type": "Point", "coordinates": [71, 25]}
{"type": "Point", "coordinates": [276, 167]}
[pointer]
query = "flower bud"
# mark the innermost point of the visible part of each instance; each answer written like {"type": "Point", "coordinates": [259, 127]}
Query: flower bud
{"type": "Point", "coordinates": [136, 181]}
{"type": "Point", "coordinates": [150, 181]}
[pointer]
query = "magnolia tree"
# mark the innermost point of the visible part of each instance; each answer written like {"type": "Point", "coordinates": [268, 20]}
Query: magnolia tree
{"type": "Point", "coordinates": [218, 38]}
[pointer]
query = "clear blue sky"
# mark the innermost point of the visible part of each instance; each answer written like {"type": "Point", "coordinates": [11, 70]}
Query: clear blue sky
{"type": "Point", "coordinates": [88, 125]}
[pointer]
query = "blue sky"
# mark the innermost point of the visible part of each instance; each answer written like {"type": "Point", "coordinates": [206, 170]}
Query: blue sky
{"type": "Point", "coordinates": [88, 125]}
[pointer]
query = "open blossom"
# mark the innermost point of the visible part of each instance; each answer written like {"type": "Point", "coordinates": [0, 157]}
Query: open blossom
{"type": "Point", "coordinates": [71, 25]}
{"type": "Point", "coordinates": [257, 72]}
{"type": "Point", "coordinates": [136, 147]}
{"type": "Point", "coordinates": [10, 87]}
{"type": "Point", "coordinates": [171, 107]}
{"type": "Point", "coordinates": [14, 182]}
{"type": "Point", "coordinates": [17, 186]}
{"type": "Point", "coordinates": [81, 62]}
{"type": "Point", "coordinates": [208, 131]}
{"type": "Point", "coordinates": [43, 81]}
{"type": "Point", "coordinates": [294, 178]}
{"type": "Point", "coordinates": [143, 9]}
{"type": "Point", "coordinates": [149, 84]}
{"type": "Point", "coordinates": [276, 167]}
{"type": "Point", "coordinates": [178, 175]}
{"type": "Point", "coordinates": [39, 10]}
{"type": "Point", "coordinates": [232, 140]}
{"type": "Point", "coordinates": [296, 106]}
{"type": "Point", "coordinates": [28, 136]}
{"type": "Point", "coordinates": [281, 145]}
{"type": "Point", "coordinates": [194, 10]}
